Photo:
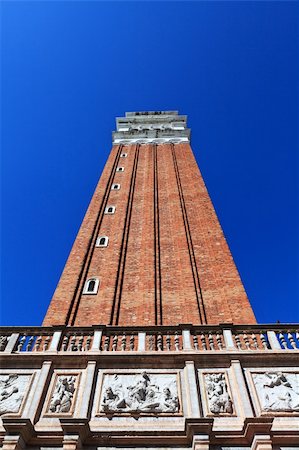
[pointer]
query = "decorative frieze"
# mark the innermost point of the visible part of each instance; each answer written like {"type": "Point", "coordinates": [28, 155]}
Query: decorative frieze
{"type": "Point", "coordinates": [139, 393]}
{"type": "Point", "coordinates": [63, 394]}
{"type": "Point", "coordinates": [13, 389]}
{"type": "Point", "coordinates": [277, 391]}
{"type": "Point", "coordinates": [219, 399]}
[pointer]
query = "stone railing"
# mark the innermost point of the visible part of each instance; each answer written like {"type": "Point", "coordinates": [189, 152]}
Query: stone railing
{"type": "Point", "coordinates": [181, 338]}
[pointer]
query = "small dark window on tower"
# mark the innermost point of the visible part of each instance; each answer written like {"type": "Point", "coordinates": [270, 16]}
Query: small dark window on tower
{"type": "Point", "coordinates": [91, 286]}
{"type": "Point", "coordinates": [120, 169]}
{"type": "Point", "coordinates": [116, 187]}
{"type": "Point", "coordinates": [110, 210]}
{"type": "Point", "coordinates": [102, 241]}
{"type": "Point", "coordinates": [123, 155]}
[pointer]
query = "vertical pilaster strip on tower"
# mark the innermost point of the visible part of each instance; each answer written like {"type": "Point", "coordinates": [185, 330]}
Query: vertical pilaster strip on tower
{"type": "Point", "coordinates": [71, 316]}
{"type": "Point", "coordinates": [115, 312]}
{"type": "Point", "coordinates": [158, 287]}
{"type": "Point", "coordinates": [201, 309]}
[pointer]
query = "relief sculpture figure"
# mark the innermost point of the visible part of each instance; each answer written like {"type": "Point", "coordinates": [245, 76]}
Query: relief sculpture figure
{"type": "Point", "coordinates": [62, 398]}
{"type": "Point", "coordinates": [218, 397]}
{"type": "Point", "coordinates": [141, 396]}
{"type": "Point", "coordinates": [12, 389]}
{"type": "Point", "coordinates": [278, 391]}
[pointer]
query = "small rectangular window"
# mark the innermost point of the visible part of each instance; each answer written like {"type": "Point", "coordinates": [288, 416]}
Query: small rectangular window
{"type": "Point", "coordinates": [110, 210]}
{"type": "Point", "coordinates": [115, 187]}
{"type": "Point", "coordinates": [124, 155]}
{"type": "Point", "coordinates": [102, 241]}
{"type": "Point", "coordinates": [120, 169]}
{"type": "Point", "coordinates": [91, 286]}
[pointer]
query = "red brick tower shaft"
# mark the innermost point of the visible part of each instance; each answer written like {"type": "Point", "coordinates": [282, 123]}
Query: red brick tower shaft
{"type": "Point", "coordinates": [150, 250]}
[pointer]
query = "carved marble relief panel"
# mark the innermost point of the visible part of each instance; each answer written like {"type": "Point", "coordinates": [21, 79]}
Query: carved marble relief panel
{"type": "Point", "coordinates": [13, 390]}
{"type": "Point", "coordinates": [63, 394]}
{"type": "Point", "coordinates": [277, 391]}
{"type": "Point", "coordinates": [139, 393]}
{"type": "Point", "coordinates": [216, 394]}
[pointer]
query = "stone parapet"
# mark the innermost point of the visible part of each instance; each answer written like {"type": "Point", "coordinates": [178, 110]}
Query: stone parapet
{"type": "Point", "coordinates": [151, 127]}
{"type": "Point", "coordinates": [203, 387]}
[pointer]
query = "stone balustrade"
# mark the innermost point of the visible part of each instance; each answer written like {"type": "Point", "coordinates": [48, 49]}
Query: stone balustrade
{"type": "Point", "coordinates": [180, 387]}
{"type": "Point", "coordinates": [149, 339]}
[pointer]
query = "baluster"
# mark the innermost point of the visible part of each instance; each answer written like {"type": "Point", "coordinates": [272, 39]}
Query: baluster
{"type": "Point", "coordinates": [65, 343]}
{"type": "Point", "coordinates": [219, 341]}
{"type": "Point", "coordinates": [176, 341]}
{"type": "Point", "coordinates": [211, 341]}
{"type": "Point", "coordinates": [160, 342]}
{"type": "Point", "coordinates": [73, 347]}
{"type": "Point", "coordinates": [264, 340]}
{"type": "Point", "coordinates": [297, 336]}
{"type": "Point", "coordinates": [3, 342]}
{"type": "Point", "coordinates": [123, 342]}
{"type": "Point", "coordinates": [168, 341]}
{"type": "Point", "coordinates": [29, 344]}
{"type": "Point", "coordinates": [132, 342]}
{"type": "Point", "coordinates": [238, 342]}
{"type": "Point", "coordinates": [254, 340]}
{"type": "Point", "coordinates": [246, 340]}
{"type": "Point", "coordinates": [21, 343]}
{"type": "Point", "coordinates": [292, 340]}
{"type": "Point", "coordinates": [80, 342]}
{"type": "Point", "coordinates": [106, 344]}
{"type": "Point", "coordinates": [38, 343]}
{"type": "Point", "coordinates": [195, 342]}
{"type": "Point", "coordinates": [203, 341]}
{"type": "Point", "coordinates": [282, 341]}
{"type": "Point", "coordinates": [114, 342]}
{"type": "Point", "coordinates": [47, 343]}
{"type": "Point", "coordinates": [88, 342]}
{"type": "Point", "coordinates": [151, 342]}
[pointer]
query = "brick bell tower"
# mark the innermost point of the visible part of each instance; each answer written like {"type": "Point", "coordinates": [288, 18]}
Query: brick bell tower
{"type": "Point", "coordinates": [150, 341]}
{"type": "Point", "coordinates": [150, 250]}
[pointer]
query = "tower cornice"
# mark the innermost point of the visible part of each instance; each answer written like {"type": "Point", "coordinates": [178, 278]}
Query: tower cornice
{"type": "Point", "coordinates": [151, 127]}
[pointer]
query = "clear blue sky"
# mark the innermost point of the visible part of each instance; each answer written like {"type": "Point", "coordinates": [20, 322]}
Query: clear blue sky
{"type": "Point", "coordinates": [69, 68]}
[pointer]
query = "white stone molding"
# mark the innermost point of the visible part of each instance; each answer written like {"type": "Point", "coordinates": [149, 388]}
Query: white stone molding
{"type": "Point", "coordinates": [141, 393]}
{"type": "Point", "coordinates": [14, 387]}
{"type": "Point", "coordinates": [62, 396]}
